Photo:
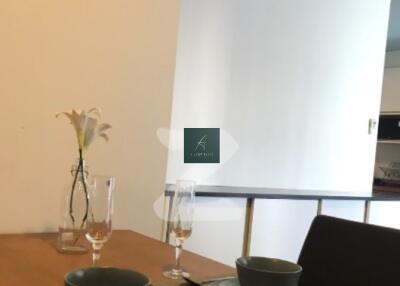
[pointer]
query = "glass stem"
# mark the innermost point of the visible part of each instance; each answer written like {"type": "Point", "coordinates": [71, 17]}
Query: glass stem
{"type": "Point", "coordinates": [96, 253]}
{"type": "Point", "coordinates": [178, 254]}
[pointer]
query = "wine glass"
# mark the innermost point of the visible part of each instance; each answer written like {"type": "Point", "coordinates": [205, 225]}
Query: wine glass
{"type": "Point", "coordinates": [181, 218]}
{"type": "Point", "coordinates": [98, 225]}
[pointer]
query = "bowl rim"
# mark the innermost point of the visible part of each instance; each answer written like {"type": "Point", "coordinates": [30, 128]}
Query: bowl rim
{"type": "Point", "coordinates": [299, 270]}
{"type": "Point", "coordinates": [66, 280]}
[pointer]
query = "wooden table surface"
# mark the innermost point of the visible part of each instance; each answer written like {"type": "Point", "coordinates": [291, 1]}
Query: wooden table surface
{"type": "Point", "coordinates": [31, 259]}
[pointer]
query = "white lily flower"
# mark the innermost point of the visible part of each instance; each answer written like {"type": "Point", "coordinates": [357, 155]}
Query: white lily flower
{"type": "Point", "coordinates": [87, 125]}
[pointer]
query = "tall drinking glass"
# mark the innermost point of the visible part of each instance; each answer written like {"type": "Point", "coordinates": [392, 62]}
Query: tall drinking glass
{"type": "Point", "coordinates": [181, 217]}
{"type": "Point", "coordinates": [98, 225]}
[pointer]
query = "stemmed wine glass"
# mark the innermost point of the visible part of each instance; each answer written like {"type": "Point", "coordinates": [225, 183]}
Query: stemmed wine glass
{"type": "Point", "coordinates": [98, 225]}
{"type": "Point", "coordinates": [181, 218]}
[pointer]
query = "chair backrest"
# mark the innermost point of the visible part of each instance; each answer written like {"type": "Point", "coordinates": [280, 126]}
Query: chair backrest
{"type": "Point", "coordinates": [338, 252]}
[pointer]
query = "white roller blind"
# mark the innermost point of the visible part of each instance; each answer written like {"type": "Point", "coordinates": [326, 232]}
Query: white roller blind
{"type": "Point", "coordinates": [291, 84]}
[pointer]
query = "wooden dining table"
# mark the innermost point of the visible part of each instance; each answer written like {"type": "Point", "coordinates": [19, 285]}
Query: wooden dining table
{"type": "Point", "coordinates": [32, 259]}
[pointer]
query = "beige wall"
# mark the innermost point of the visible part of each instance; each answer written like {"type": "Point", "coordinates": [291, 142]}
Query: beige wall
{"type": "Point", "coordinates": [55, 55]}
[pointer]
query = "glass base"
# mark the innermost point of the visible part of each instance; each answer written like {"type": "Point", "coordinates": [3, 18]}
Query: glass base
{"type": "Point", "coordinates": [72, 241]}
{"type": "Point", "coordinates": [176, 274]}
{"type": "Point", "coordinates": [77, 249]}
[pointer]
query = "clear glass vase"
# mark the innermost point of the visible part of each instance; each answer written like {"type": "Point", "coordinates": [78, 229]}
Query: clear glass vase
{"type": "Point", "coordinates": [74, 211]}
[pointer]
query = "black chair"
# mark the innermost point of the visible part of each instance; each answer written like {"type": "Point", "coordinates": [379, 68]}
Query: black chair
{"type": "Point", "coordinates": [338, 252]}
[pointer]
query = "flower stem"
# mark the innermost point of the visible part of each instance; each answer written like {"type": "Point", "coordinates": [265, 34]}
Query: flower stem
{"type": "Point", "coordinates": [71, 199]}
{"type": "Point", "coordinates": [84, 189]}
{"type": "Point", "coordinates": [78, 172]}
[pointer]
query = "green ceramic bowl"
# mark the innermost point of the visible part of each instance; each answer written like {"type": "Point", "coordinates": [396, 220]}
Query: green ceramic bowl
{"type": "Point", "coordinates": [254, 271]}
{"type": "Point", "coordinates": [105, 276]}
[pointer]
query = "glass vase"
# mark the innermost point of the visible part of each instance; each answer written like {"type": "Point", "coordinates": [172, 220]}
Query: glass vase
{"type": "Point", "coordinates": [74, 211]}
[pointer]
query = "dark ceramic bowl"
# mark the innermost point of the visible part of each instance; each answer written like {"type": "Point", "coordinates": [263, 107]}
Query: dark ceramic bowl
{"type": "Point", "coordinates": [105, 276]}
{"type": "Point", "coordinates": [254, 271]}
